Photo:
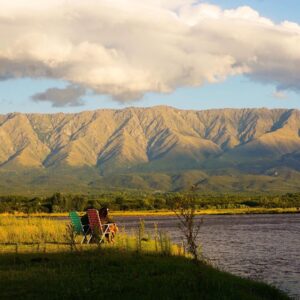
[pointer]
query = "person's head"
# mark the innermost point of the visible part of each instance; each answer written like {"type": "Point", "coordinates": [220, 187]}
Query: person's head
{"type": "Point", "coordinates": [103, 212]}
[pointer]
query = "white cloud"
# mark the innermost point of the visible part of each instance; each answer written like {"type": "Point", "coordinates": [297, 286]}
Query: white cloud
{"type": "Point", "coordinates": [279, 94]}
{"type": "Point", "coordinates": [125, 48]}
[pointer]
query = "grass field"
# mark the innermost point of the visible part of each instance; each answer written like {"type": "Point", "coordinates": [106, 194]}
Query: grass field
{"type": "Point", "coordinates": [38, 261]}
{"type": "Point", "coordinates": [219, 211]}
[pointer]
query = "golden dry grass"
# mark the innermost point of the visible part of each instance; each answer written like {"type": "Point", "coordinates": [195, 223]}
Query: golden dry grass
{"type": "Point", "coordinates": [210, 211]}
{"type": "Point", "coordinates": [35, 234]}
{"type": "Point", "coordinates": [217, 211]}
{"type": "Point", "coordinates": [31, 230]}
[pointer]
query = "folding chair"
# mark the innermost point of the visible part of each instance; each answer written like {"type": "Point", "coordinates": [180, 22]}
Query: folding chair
{"type": "Point", "coordinates": [78, 227]}
{"type": "Point", "coordinates": [96, 226]}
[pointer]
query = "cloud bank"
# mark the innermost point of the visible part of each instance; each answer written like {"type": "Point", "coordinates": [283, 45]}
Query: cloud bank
{"type": "Point", "coordinates": [126, 48]}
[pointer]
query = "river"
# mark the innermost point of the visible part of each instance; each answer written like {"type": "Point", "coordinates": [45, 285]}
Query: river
{"type": "Point", "coordinates": [263, 247]}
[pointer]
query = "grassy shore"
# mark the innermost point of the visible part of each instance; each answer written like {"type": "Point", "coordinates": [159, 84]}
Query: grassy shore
{"type": "Point", "coordinates": [219, 211]}
{"type": "Point", "coordinates": [115, 274]}
{"type": "Point", "coordinates": [38, 261]}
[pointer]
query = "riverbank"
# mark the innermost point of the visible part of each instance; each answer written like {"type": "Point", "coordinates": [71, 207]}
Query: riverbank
{"type": "Point", "coordinates": [107, 273]}
{"type": "Point", "coordinates": [39, 259]}
{"type": "Point", "coordinates": [219, 211]}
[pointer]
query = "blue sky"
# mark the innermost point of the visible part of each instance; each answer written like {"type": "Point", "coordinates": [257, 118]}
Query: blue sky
{"type": "Point", "coordinates": [235, 91]}
{"type": "Point", "coordinates": [277, 10]}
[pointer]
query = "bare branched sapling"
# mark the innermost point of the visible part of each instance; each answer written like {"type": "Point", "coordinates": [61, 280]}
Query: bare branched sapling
{"type": "Point", "coordinates": [185, 210]}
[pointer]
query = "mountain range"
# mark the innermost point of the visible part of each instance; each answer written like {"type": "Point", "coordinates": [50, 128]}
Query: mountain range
{"type": "Point", "coordinates": [157, 148]}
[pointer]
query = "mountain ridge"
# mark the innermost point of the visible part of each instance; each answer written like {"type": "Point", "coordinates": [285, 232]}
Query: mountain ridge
{"type": "Point", "coordinates": [159, 139]}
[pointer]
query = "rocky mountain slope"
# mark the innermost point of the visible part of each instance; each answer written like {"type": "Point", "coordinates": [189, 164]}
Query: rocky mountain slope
{"type": "Point", "coordinates": [147, 141]}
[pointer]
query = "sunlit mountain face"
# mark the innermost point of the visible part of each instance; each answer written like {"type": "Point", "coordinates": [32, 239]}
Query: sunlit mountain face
{"type": "Point", "coordinates": [156, 148]}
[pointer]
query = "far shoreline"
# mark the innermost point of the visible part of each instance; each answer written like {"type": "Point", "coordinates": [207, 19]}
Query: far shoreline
{"type": "Point", "coordinates": [166, 213]}
{"type": "Point", "coordinates": [223, 211]}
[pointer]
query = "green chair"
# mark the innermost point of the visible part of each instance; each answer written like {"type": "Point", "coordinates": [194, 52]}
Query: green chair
{"type": "Point", "coordinates": [78, 227]}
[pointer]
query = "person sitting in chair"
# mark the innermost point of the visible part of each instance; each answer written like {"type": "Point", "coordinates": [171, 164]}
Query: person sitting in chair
{"type": "Point", "coordinates": [85, 222]}
{"type": "Point", "coordinates": [105, 219]}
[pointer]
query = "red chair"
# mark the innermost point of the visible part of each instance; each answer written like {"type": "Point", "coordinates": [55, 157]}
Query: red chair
{"type": "Point", "coordinates": [96, 227]}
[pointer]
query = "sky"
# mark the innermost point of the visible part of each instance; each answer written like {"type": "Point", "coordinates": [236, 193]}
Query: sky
{"type": "Point", "coordinates": [71, 56]}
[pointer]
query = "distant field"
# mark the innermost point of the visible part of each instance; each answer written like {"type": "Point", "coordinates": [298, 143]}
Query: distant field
{"type": "Point", "coordinates": [32, 182]}
{"type": "Point", "coordinates": [220, 211]}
